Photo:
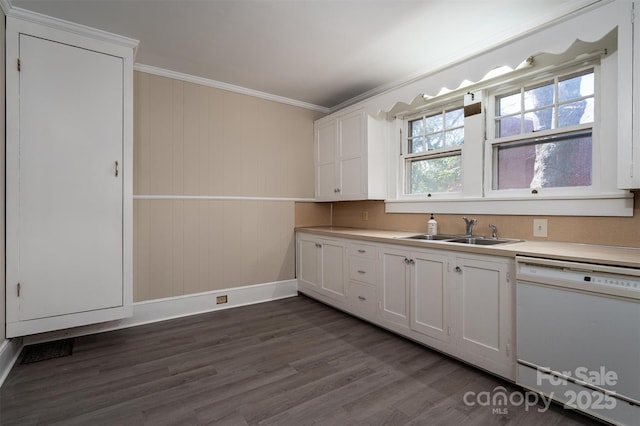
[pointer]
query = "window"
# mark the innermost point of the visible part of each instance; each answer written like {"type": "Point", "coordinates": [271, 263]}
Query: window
{"type": "Point", "coordinates": [434, 152]}
{"type": "Point", "coordinates": [543, 134]}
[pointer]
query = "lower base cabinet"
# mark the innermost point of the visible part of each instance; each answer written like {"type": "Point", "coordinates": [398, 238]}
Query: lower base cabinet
{"type": "Point", "coordinates": [459, 303]}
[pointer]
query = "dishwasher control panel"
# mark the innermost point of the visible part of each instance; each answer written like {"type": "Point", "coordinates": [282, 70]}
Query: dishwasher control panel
{"type": "Point", "coordinates": [617, 281]}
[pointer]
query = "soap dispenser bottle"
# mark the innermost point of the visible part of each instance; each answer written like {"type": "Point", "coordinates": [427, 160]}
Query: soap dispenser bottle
{"type": "Point", "coordinates": [432, 226]}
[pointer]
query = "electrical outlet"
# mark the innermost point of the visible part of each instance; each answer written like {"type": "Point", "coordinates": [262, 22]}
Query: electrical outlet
{"type": "Point", "coordinates": [221, 299]}
{"type": "Point", "coordinates": [365, 215]}
{"type": "Point", "coordinates": [540, 228]}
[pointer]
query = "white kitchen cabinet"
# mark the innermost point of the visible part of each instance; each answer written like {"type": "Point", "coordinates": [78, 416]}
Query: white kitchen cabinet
{"type": "Point", "coordinates": [430, 295]}
{"type": "Point", "coordinates": [321, 266]}
{"type": "Point", "coordinates": [350, 157]}
{"type": "Point", "coordinates": [416, 292]}
{"type": "Point", "coordinates": [69, 180]}
{"type": "Point", "coordinates": [628, 96]}
{"type": "Point", "coordinates": [484, 301]}
{"type": "Point", "coordinates": [459, 303]}
{"type": "Point", "coordinates": [363, 280]}
{"type": "Point", "coordinates": [395, 286]}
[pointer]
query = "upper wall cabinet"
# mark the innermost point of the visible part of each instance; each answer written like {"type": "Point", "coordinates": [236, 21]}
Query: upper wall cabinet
{"type": "Point", "coordinates": [350, 157]}
{"type": "Point", "coordinates": [69, 178]}
{"type": "Point", "coordinates": [628, 97]}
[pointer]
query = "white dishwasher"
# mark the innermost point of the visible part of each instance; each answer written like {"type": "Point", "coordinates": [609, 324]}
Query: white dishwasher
{"type": "Point", "coordinates": [578, 335]}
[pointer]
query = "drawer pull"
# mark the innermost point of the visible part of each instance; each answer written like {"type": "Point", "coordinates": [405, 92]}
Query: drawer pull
{"type": "Point", "coordinates": [362, 298]}
{"type": "Point", "coordinates": [361, 272]}
{"type": "Point", "coordinates": [361, 251]}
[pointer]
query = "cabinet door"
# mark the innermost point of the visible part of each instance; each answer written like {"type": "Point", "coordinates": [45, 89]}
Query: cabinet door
{"type": "Point", "coordinates": [430, 295]}
{"type": "Point", "coordinates": [64, 198]}
{"type": "Point", "coordinates": [326, 146]}
{"type": "Point", "coordinates": [350, 156]}
{"type": "Point", "coordinates": [333, 273]}
{"type": "Point", "coordinates": [308, 263]}
{"type": "Point", "coordinates": [484, 300]}
{"type": "Point", "coordinates": [395, 289]}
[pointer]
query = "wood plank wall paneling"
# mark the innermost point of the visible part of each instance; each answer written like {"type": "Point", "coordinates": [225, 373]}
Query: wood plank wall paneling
{"type": "Point", "coordinates": [620, 231]}
{"type": "Point", "coordinates": [2, 162]}
{"type": "Point", "coordinates": [197, 140]}
{"type": "Point", "coordinates": [201, 141]}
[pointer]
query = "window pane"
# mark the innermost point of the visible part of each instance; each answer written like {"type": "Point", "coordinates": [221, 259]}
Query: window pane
{"type": "Point", "coordinates": [508, 104]}
{"type": "Point", "coordinates": [417, 145]}
{"type": "Point", "coordinates": [434, 123]}
{"type": "Point", "coordinates": [561, 161]}
{"type": "Point", "coordinates": [442, 174]}
{"type": "Point", "coordinates": [416, 128]}
{"type": "Point", "coordinates": [454, 118]}
{"type": "Point", "coordinates": [434, 141]}
{"type": "Point", "coordinates": [536, 121]}
{"type": "Point", "coordinates": [575, 113]}
{"type": "Point", "coordinates": [454, 137]}
{"type": "Point", "coordinates": [508, 126]}
{"type": "Point", "coordinates": [538, 97]}
{"type": "Point", "coordinates": [575, 87]}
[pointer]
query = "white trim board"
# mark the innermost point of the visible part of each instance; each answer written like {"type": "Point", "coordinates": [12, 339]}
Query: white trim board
{"type": "Point", "coordinates": [157, 310]}
{"type": "Point", "coordinates": [72, 27]}
{"type": "Point", "coordinates": [226, 86]}
{"type": "Point", "coordinates": [9, 351]}
{"type": "Point", "coordinates": [220, 198]}
{"type": "Point", "coordinates": [151, 311]}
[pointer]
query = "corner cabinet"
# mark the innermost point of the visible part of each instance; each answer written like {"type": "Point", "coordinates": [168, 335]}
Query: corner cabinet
{"type": "Point", "coordinates": [321, 266]}
{"type": "Point", "coordinates": [69, 177]}
{"type": "Point", "coordinates": [350, 157]}
{"type": "Point", "coordinates": [629, 96]}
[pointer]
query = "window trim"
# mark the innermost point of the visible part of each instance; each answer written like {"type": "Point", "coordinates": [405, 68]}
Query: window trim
{"type": "Point", "coordinates": [442, 107]}
{"type": "Point", "coordinates": [492, 141]}
{"type": "Point", "coordinates": [605, 199]}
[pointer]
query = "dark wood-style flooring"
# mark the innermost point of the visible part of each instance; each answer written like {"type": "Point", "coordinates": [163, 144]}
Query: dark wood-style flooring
{"type": "Point", "coordinates": [288, 362]}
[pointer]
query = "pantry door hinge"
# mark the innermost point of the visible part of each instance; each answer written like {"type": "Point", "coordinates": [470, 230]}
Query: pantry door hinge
{"type": "Point", "coordinates": [19, 65]}
{"type": "Point", "coordinates": [18, 286]}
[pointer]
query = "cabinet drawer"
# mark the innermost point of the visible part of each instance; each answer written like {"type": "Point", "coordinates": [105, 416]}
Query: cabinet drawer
{"type": "Point", "coordinates": [362, 250]}
{"type": "Point", "coordinates": [362, 269]}
{"type": "Point", "coordinates": [363, 299]}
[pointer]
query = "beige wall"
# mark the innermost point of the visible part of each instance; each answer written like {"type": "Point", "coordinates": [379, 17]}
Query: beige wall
{"type": "Point", "coordinates": [2, 162]}
{"type": "Point", "coordinates": [621, 231]}
{"type": "Point", "coordinates": [197, 140]}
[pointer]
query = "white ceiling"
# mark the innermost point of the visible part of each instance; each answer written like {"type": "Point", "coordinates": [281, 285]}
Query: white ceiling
{"type": "Point", "coordinates": [321, 52]}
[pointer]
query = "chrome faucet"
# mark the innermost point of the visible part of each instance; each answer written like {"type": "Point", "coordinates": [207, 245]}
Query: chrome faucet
{"type": "Point", "coordinates": [469, 223]}
{"type": "Point", "coordinates": [494, 232]}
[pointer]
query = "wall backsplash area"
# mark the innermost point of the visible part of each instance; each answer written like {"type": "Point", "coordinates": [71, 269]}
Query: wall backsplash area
{"type": "Point", "coordinates": [619, 231]}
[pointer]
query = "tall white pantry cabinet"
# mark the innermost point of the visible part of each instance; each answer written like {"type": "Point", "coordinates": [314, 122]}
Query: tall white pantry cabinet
{"type": "Point", "coordinates": [69, 176]}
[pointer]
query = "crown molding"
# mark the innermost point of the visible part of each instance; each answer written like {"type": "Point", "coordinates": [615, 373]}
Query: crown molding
{"type": "Point", "coordinates": [226, 86]}
{"type": "Point", "coordinates": [6, 6]}
{"type": "Point", "coordinates": [72, 27]}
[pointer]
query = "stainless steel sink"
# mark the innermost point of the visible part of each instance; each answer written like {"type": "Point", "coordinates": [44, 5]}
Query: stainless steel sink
{"type": "Point", "coordinates": [432, 237]}
{"type": "Point", "coordinates": [481, 241]}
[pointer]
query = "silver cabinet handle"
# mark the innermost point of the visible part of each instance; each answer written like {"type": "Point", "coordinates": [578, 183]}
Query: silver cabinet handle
{"type": "Point", "coordinates": [361, 251]}
{"type": "Point", "coordinates": [361, 271]}
{"type": "Point", "coordinates": [362, 298]}
{"type": "Point", "coordinates": [117, 169]}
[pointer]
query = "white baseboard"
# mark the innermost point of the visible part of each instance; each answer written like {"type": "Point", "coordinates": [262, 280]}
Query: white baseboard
{"type": "Point", "coordinates": [9, 351]}
{"type": "Point", "coordinates": [151, 311]}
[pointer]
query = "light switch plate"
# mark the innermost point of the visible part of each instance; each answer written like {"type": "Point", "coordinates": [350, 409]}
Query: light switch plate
{"type": "Point", "coordinates": [540, 228]}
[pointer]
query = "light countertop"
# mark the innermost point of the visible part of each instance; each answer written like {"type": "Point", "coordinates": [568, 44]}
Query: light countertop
{"type": "Point", "coordinates": [605, 255]}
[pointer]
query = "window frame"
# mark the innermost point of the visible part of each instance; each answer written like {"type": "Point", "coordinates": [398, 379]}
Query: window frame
{"type": "Point", "coordinates": [491, 141]}
{"type": "Point", "coordinates": [406, 158]}
{"type": "Point", "coordinates": [605, 197]}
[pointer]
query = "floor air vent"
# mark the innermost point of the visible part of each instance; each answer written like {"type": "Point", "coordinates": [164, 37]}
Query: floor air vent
{"type": "Point", "coordinates": [45, 351]}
